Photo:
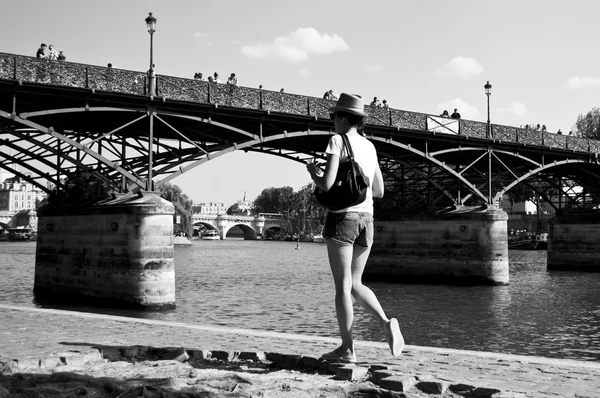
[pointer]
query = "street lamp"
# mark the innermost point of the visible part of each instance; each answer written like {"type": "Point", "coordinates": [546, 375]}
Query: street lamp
{"type": "Point", "coordinates": [488, 92]}
{"type": "Point", "coordinates": [151, 25]}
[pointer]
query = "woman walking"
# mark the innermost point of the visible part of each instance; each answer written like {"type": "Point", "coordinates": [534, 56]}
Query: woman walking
{"type": "Point", "coordinates": [349, 231]}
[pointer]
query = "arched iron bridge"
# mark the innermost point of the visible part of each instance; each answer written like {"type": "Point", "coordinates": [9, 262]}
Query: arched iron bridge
{"type": "Point", "coordinates": [61, 121]}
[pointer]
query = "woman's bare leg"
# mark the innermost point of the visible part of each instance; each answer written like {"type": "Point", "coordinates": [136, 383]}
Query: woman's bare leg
{"type": "Point", "coordinates": [340, 261]}
{"type": "Point", "coordinates": [365, 296]}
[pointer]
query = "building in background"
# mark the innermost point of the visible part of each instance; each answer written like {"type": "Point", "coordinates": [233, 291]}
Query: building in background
{"type": "Point", "coordinates": [210, 208]}
{"type": "Point", "coordinates": [18, 195]}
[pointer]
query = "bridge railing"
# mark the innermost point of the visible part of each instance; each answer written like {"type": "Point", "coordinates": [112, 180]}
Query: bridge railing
{"type": "Point", "coordinates": [25, 69]}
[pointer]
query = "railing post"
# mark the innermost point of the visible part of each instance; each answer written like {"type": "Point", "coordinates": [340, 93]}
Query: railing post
{"type": "Point", "coordinates": [260, 98]}
{"type": "Point", "coordinates": [208, 101]}
{"type": "Point", "coordinates": [15, 68]}
{"type": "Point", "coordinates": [308, 105]}
{"type": "Point", "coordinates": [87, 77]}
{"type": "Point", "coordinates": [390, 116]}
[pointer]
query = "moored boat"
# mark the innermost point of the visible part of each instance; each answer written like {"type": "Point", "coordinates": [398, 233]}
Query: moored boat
{"type": "Point", "coordinates": [21, 233]}
{"type": "Point", "coordinates": [211, 234]}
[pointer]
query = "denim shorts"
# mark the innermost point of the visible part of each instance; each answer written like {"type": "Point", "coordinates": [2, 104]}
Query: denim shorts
{"type": "Point", "coordinates": [349, 228]}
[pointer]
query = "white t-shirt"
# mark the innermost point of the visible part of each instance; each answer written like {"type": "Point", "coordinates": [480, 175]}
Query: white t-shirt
{"type": "Point", "coordinates": [366, 156]}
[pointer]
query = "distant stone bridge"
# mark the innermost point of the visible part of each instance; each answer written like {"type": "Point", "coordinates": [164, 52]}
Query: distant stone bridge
{"type": "Point", "coordinates": [251, 226]}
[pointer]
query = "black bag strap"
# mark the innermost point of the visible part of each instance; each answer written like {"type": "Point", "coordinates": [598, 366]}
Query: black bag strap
{"type": "Point", "coordinates": [346, 141]}
{"type": "Point", "coordinates": [348, 146]}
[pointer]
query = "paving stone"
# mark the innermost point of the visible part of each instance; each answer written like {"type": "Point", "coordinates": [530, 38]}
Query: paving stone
{"type": "Point", "coordinates": [377, 375]}
{"type": "Point", "coordinates": [483, 392]}
{"type": "Point", "coordinates": [461, 388]}
{"type": "Point", "coordinates": [256, 356]}
{"type": "Point", "coordinates": [222, 355]}
{"type": "Point", "coordinates": [197, 354]}
{"type": "Point", "coordinates": [73, 360]}
{"type": "Point", "coordinates": [432, 386]}
{"type": "Point", "coordinates": [398, 383]}
{"type": "Point", "coordinates": [310, 362]}
{"type": "Point", "coordinates": [351, 372]}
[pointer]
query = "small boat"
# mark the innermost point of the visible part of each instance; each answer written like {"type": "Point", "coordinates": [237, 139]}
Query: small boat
{"type": "Point", "coordinates": [318, 238]}
{"type": "Point", "coordinates": [211, 234]}
{"type": "Point", "coordinates": [541, 241]}
{"type": "Point", "coordinates": [21, 233]}
{"type": "Point", "coordinates": [529, 242]}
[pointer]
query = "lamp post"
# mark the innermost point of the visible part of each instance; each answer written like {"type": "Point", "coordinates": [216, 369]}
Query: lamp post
{"type": "Point", "coordinates": [488, 92]}
{"type": "Point", "coordinates": [151, 25]}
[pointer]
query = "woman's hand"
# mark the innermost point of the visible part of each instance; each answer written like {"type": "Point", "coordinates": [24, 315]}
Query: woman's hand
{"type": "Point", "coordinates": [314, 168]}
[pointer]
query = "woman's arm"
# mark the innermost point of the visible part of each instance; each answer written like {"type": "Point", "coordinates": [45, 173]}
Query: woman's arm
{"type": "Point", "coordinates": [325, 180]}
{"type": "Point", "coordinates": [378, 183]}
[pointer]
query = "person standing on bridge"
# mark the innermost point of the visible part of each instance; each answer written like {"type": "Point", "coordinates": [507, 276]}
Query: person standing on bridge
{"type": "Point", "coordinates": [349, 232]}
{"type": "Point", "coordinates": [40, 52]}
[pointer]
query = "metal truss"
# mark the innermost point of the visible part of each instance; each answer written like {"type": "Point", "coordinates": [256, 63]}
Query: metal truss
{"type": "Point", "coordinates": [141, 145]}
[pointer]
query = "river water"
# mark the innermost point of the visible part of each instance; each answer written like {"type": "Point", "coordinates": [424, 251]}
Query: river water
{"type": "Point", "coordinates": [271, 285]}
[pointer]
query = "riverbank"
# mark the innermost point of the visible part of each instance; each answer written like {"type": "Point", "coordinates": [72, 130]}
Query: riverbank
{"type": "Point", "coordinates": [67, 351]}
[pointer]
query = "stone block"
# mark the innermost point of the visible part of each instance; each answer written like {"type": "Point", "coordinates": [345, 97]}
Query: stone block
{"type": "Point", "coordinates": [92, 356]}
{"type": "Point", "coordinates": [351, 372]}
{"type": "Point", "coordinates": [310, 363]}
{"type": "Point", "coordinates": [257, 356]}
{"type": "Point", "coordinates": [461, 388]}
{"type": "Point", "coordinates": [73, 360]}
{"type": "Point", "coordinates": [49, 362]}
{"type": "Point", "coordinates": [398, 383]}
{"type": "Point", "coordinates": [377, 375]}
{"type": "Point", "coordinates": [483, 392]}
{"type": "Point", "coordinates": [286, 361]}
{"type": "Point", "coordinates": [112, 353]}
{"type": "Point", "coordinates": [223, 355]}
{"type": "Point", "coordinates": [201, 355]}
{"type": "Point", "coordinates": [432, 386]}
{"type": "Point", "coordinates": [173, 354]}
{"type": "Point", "coordinates": [28, 364]}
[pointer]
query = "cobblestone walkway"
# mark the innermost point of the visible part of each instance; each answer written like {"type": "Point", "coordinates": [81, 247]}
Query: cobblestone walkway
{"type": "Point", "coordinates": [38, 340]}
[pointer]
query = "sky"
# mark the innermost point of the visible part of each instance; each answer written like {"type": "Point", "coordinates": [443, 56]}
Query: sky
{"type": "Point", "coordinates": [541, 58]}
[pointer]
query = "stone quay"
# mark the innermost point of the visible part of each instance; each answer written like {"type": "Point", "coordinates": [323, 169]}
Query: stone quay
{"type": "Point", "coordinates": [62, 353]}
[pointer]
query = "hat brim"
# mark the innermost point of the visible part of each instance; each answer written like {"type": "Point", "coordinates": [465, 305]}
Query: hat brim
{"type": "Point", "coordinates": [352, 111]}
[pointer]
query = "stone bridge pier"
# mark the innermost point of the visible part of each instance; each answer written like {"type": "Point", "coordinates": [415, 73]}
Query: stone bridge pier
{"type": "Point", "coordinates": [459, 246]}
{"type": "Point", "coordinates": [115, 252]}
{"type": "Point", "coordinates": [574, 243]}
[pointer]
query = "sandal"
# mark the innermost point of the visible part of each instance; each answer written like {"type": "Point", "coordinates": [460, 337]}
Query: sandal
{"type": "Point", "coordinates": [334, 356]}
{"type": "Point", "coordinates": [394, 337]}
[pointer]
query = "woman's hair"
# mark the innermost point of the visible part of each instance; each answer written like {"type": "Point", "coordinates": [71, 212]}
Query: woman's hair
{"type": "Point", "coordinates": [355, 121]}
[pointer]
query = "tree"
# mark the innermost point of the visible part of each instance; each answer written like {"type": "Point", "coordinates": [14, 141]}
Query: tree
{"type": "Point", "coordinates": [274, 200]}
{"type": "Point", "coordinates": [183, 208]}
{"type": "Point", "coordinates": [300, 210]}
{"type": "Point", "coordinates": [588, 125]}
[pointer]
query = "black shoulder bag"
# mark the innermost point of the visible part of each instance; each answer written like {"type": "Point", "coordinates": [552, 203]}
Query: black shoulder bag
{"type": "Point", "coordinates": [350, 186]}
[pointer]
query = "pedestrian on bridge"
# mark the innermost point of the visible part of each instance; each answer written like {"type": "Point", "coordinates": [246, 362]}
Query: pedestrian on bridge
{"type": "Point", "coordinates": [349, 232]}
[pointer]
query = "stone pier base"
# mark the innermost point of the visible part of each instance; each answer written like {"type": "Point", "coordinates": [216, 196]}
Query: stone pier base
{"type": "Point", "coordinates": [462, 246]}
{"type": "Point", "coordinates": [574, 243]}
{"type": "Point", "coordinates": [118, 252]}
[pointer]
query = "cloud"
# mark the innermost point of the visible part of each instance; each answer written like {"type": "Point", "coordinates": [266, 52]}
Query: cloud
{"type": "Point", "coordinates": [296, 46]}
{"type": "Point", "coordinates": [575, 83]}
{"type": "Point", "coordinates": [460, 67]}
{"type": "Point", "coordinates": [466, 111]}
{"type": "Point", "coordinates": [200, 35]}
{"type": "Point", "coordinates": [518, 108]}
{"type": "Point", "coordinates": [373, 68]}
{"type": "Point", "coordinates": [304, 72]}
